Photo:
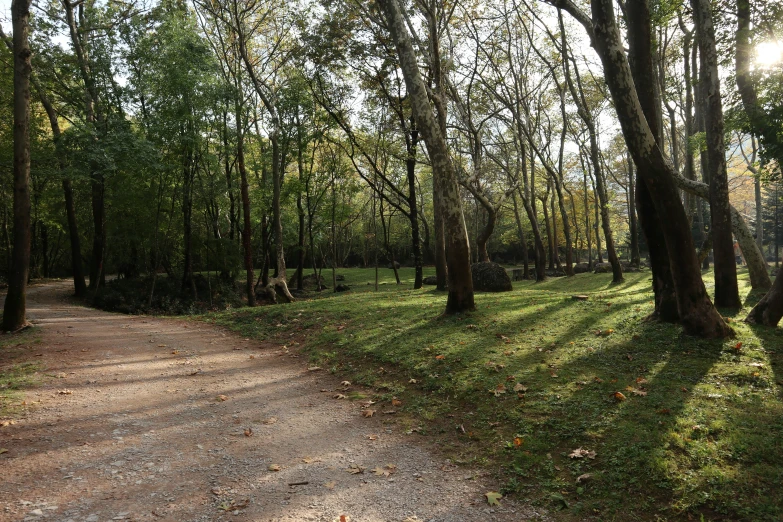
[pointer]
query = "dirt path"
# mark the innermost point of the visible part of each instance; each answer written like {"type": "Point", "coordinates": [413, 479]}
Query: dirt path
{"type": "Point", "coordinates": [146, 419]}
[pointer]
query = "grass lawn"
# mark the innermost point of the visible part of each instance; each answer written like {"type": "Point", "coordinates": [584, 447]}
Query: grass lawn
{"type": "Point", "coordinates": [682, 429]}
{"type": "Point", "coordinates": [15, 377]}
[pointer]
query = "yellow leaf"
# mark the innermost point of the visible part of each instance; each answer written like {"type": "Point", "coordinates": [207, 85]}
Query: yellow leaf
{"type": "Point", "coordinates": [221, 398]}
{"type": "Point", "coordinates": [368, 413]}
{"type": "Point", "coordinates": [274, 467]}
{"type": "Point", "coordinates": [493, 498]}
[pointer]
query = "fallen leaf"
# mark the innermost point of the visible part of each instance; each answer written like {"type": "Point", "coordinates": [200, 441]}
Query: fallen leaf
{"type": "Point", "coordinates": [3, 450]}
{"type": "Point", "coordinates": [619, 396]}
{"type": "Point", "coordinates": [274, 467]}
{"type": "Point", "coordinates": [385, 471]}
{"type": "Point", "coordinates": [354, 469]}
{"type": "Point", "coordinates": [738, 346]}
{"type": "Point", "coordinates": [338, 396]}
{"type": "Point", "coordinates": [641, 380]}
{"type": "Point", "coordinates": [345, 383]}
{"type": "Point", "coordinates": [174, 352]}
{"type": "Point", "coordinates": [584, 477]}
{"type": "Point", "coordinates": [493, 498]}
{"type": "Point", "coordinates": [640, 393]}
{"type": "Point", "coordinates": [579, 453]}
{"type": "Point", "coordinates": [412, 381]}
{"type": "Point", "coordinates": [372, 437]}
{"type": "Point", "coordinates": [309, 460]}
{"type": "Point", "coordinates": [499, 390]}
{"type": "Point", "coordinates": [65, 392]}
{"type": "Point", "coordinates": [440, 357]}
{"type": "Point", "coordinates": [5, 423]}
{"type": "Point", "coordinates": [390, 412]}
{"type": "Point", "coordinates": [518, 441]}
{"type": "Point", "coordinates": [270, 420]}
{"type": "Point", "coordinates": [330, 485]}
{"type": "Point", "coordinates": [249, 432]}
{"type": "Point", "coordinates": [368, 413]}
{"type": "Point", "coordinates": [313, 368]}
{"type": "Point", "coordinates": [221, 398]}
{"type": "Point", "coordinates": [396, 403]}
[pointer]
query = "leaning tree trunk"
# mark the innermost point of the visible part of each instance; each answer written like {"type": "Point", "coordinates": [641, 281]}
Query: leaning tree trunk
{"type": "Point", "coordinates": [754, 257]}
{"type": "Point", "coordinates": [445, 180]}
{"type": "Point", "coordinates": [80, 288]}
{"type": "Point", "coordinates": [15, 300]}
{"type": "Point", "coordinates": [726, 290]}
{"type": "Point", "coordinates": [697, 314]}
{"type": "Point", "coordinates": [642, 71]}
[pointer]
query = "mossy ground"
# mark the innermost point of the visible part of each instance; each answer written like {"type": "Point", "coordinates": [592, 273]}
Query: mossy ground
{"type": "Point", "coordinates": [15, 376]}
{"type": "Point", "coordinates": [699, 434]}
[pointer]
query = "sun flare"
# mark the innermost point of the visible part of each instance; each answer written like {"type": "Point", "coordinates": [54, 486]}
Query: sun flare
{"type": "Point", "coordinates": [769, 54]}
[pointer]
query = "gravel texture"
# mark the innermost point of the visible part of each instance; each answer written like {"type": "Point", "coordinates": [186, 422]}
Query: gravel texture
{"type": "Point", "coordinates": [140, 418]}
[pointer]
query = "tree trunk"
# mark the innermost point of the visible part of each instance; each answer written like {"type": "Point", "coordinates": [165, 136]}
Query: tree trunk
{"type": "Point", "coordinates": [763, 126]}
{"type": "Point", "coordinates": [445, 180]}
{"type": "Point", "coordinates": [410, 164]}
{"type": "Point", "coordinates": [769, 310]}
{"type": "Point", "coordinates": [522, 240]}
{"type": "Point", "coordinates": [15, 299]}
{"type": "Point", "coordinates": [754, 257]}
{"type": "Point", "coordinates": [80, 288]}
{"type": "Point", "coordinates": [636, 258]}
{"type": "Point", "coordinates": [697, 314]}
{"type": "Point", "coordinates": [726, 289]}
{"type": "Point", "coordinates": [247, 227]}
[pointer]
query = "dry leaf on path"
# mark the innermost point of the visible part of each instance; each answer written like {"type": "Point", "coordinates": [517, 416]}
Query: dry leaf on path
{"type": "Point", "coordinates": [354, 469]}
{"type": "Point", "coordinates": [520, 388]}
{"type": "Point", "coordinates": [338, 396]}
{"type": "Point", "coordinates": [313, 368]}
{"type": "Point", "coordinates": [372, 437]}
{"type": "Point", "coordinates": [493, 498]}
{"type": "Point", "coordinates": [64, 392]}
{"type": "Point", "coordinates": [396, 402]}
{"type": "Point", "coordinates": [385, 471]}
{"type": "Point", "coordinates": [3, 450]}
{"type": "Point", "coordinates": [274, 467]}
{"type": "Point", "coordinates": [248, 432]}
{"type": "Point", "coordinates": [330, 485]}
{"type": "Point", "coordinates": [368, 413]}
{"type": "Point", "coordinates": [345, 383]}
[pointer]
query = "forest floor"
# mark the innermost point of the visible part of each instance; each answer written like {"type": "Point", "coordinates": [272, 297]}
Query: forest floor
{"type": "Point", "coordinates": [114, 417]}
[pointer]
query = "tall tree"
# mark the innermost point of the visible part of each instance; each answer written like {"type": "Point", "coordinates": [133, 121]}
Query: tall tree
{"type": "Point", "coordinates": [460, 280]}
{"type": "Point", "coordinates": [697, 314]}
{"type": "Point", "coordinates": [726, 290]}
{"type": "Point", "coordinates": [15, 300]}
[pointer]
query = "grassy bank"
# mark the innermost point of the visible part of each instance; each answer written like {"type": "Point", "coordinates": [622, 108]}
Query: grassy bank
{"type": "Point", "coordinates": [681, 428]}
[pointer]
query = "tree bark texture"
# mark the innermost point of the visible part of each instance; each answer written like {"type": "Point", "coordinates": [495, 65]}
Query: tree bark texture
{"type": "Point", "coordinates": [697, 314]}
{"type": "Point", "coordinates": [15, 300]}
{"type": "Point", "coordinates": [726, 290]}
{"type": "Point", "coordinates": [460, 280]}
